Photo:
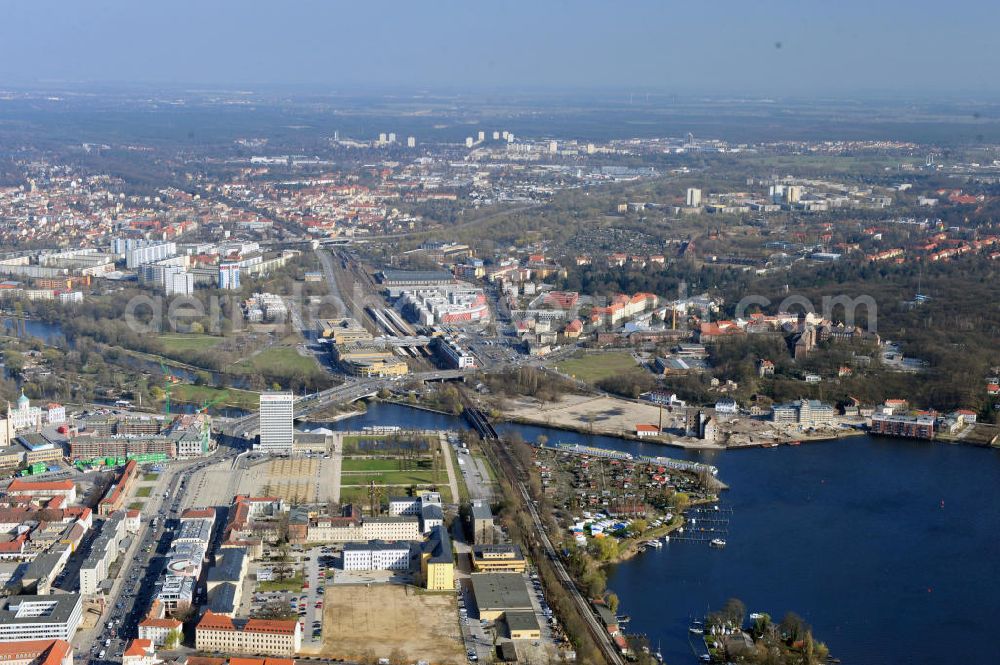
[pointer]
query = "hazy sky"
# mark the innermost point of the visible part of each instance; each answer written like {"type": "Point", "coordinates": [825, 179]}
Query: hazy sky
{"type": "Point", "coordinates": [921, 47]}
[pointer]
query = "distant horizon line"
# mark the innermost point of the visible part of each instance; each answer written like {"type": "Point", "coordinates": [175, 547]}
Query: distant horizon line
{"type": "Point", "coordinates": [640, 92]}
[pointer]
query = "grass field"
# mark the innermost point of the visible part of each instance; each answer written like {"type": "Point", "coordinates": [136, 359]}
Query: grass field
{"type": "Point", "coordinates": [358, 495]}
{"type": "Point", "coordinates": [594, 367]}
{"type": "Point", "coordinates": [413, 477]}
{"type": "Point", "coordinates": [191, 394]}
{"type": "Point", "coordinates": [136, 505]}
{"type": "Point", "coordinates": [370, 622]}
{"type": "Point", "coordinates": [174, 343]}
{"type": "Point", "coordinates": [361, 464]}
{"type": "Point", "coordinates": [293, 583]}
{"type": "Point", "coordinates": [150, 477]}
{"type": "Point", "coordinates": [278, 361]}
{"type": "Point", "coordinates": [143, 492]}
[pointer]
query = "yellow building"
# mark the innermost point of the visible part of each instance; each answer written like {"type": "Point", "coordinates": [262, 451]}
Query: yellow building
{"type": "Point", "coordinates": [11, 457]}
{"type": "Point", "coordinates": [498, 559]}
{"type": "Point", "coordinates": [522, 625]}
{"type": "Point", "coordinates": [343, 331]}
{"type": "Point", "coordinates": [368, 360]}
{"type": "Point", "coordinates": [437, 566]}
{"type": "Point", "coordinates": [378, 368]}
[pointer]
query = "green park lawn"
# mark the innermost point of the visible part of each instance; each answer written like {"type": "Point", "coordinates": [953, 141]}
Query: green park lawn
{"type": "Point", "coordinates": [361, 464]}
{"type": "Point", "coordinates": [178, 343]}
{"type": "Point", "coordinates": [410, 477]}
{"type": "Point", "coordinates": [278, 361]}
{"type": "Point", "coordinates": [198, 395]}
{"type": "Point", "coordinates": [595, 367]}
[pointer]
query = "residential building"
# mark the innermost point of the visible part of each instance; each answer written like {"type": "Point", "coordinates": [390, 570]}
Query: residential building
{"type": "Point", "coordinates": [140, 652]}
{"type": "Point", "coordinates": [692, 197]}
{"type": "Point", "coordinates": [156, 627]}
{"type": "Point", "coordinates": [727, 406]}
{"type": "Point", "coordinates": [912, 427]}
{"type": "Point", "coordinates": [804, 412]}
{"type": "Point", "coordinates": [104, 552]}
{"type": "Point", "coordinates": [229, 276]}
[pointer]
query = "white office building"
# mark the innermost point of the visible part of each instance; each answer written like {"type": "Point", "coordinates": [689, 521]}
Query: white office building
{"type": "Point", "coordinates": [377, 555]}
{"type": "Point", "coordinates": [54, 617]}
{"type": "Point", "coordinates": [693, 198]}
{"type": "Point", "coordinates": [277, 411]}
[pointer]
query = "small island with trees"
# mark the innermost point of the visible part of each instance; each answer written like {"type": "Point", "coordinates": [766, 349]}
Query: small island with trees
{"type": "Point", "coordinates": [729, 639]}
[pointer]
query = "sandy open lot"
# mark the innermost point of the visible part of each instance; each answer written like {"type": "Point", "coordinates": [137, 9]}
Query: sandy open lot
{"type": "Point", "coordinates": [376, 620]}
{"type": "Point", "coordinates": [608, 415]}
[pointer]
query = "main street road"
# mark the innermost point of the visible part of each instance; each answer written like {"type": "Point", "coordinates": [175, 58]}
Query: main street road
{"type": "Point", "coordinates": [131, 593]}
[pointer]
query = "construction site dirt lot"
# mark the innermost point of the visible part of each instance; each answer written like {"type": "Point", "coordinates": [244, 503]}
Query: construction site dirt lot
{"type": "Point", "coordinates": [598, 415]}
{"type": "Point", "coordinates": [360, 622]}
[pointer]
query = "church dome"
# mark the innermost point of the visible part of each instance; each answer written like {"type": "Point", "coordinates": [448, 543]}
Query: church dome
{"type": "Point", "coordinates": [22, 402]}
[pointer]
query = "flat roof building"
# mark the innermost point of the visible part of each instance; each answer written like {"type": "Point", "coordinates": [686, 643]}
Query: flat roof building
{"type": "Point", "coordinates": [482, 522]}
{"type": "Point", "coordinates": [277, 412]}
{"type": "Point", "coordinates": [40, 617]}
{"type": "Point", "coordinates": [377, 555]}
{"type": "Point", "coordinates": [498, 559]}
{"type": "Point", "coordinates": [497, 593]}
{"type": "Point", "coordinates": [522, 625]}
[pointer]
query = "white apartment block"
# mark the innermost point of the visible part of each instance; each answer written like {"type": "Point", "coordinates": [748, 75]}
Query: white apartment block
{"type": "Point", "coordinates": [103, 553]}
{"type": "Point", "coordinates": [151, 253]}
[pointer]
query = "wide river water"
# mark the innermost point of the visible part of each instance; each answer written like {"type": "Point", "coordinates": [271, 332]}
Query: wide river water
{"type": "Point", "coordinates": [889, 548]}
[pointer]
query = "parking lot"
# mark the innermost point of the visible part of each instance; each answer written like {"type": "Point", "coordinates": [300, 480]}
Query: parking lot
{"type": "Point", "coordinates": [305, 600]}
{"type": "Point", "coordinates": [481, 636]}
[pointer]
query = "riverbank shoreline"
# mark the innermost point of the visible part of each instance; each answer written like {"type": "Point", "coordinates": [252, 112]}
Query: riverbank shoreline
{"type": "Point", "coordinates": [692, 445]}
{"type": "Point", "coordinates": [633, 546]}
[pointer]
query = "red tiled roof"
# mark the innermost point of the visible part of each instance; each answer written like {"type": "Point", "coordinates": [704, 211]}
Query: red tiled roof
{"type": "Point", "coordinates": [213, 621]}
{"type": "Point", "coordinates": [194, 513]}
{"type": "Point", "coordinates": [270, 626]}
{"type": "Point", "coordinates": [52, 652]}
{"type": "Point", "coordinates": [19, 485]}
{"type": "Point", "coordinates": [138, 648]}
